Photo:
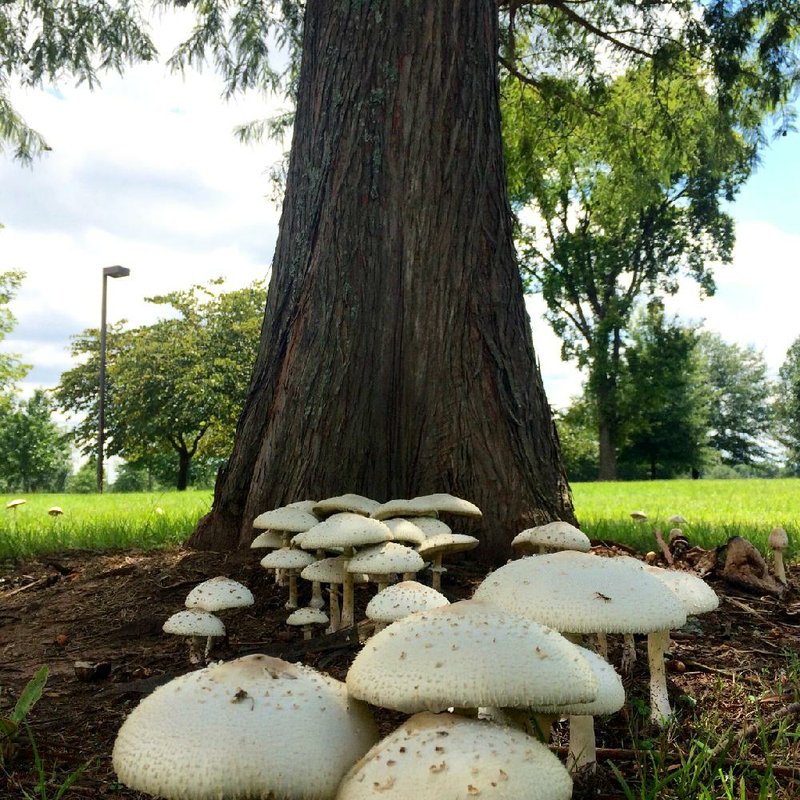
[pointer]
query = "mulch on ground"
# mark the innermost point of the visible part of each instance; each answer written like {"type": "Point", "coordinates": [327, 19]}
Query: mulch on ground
{"type": "Point", "coordinates": [108, 608]}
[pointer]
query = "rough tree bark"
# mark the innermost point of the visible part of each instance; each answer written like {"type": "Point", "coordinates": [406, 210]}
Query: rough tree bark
{"type": "Point", "coordinates": [396, 354]}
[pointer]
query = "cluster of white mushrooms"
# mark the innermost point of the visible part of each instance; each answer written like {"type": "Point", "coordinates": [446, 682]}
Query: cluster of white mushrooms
{"type": "Point", "coordinates": [483, 679]}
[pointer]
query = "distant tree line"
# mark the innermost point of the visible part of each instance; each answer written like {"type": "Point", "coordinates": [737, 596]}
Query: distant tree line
{"type": "Point", "coordinates": [690, 404]}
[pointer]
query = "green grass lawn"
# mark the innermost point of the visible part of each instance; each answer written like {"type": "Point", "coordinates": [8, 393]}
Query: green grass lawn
{"type": "Point", "coordinates": [94, 521]}
{"type": "Point", "coordinates": [715, 510]}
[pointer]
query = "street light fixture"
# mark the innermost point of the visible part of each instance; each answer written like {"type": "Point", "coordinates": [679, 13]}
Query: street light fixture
{"type": "Point", "coordinates": [108, 272]}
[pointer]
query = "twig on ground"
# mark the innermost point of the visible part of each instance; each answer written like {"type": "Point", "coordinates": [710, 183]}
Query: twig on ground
{"type": "Point", "coordinates": [664, 547]}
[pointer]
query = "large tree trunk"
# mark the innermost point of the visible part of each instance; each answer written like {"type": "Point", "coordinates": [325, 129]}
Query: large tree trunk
{"type": "Point", "coordinates": [396, 355]}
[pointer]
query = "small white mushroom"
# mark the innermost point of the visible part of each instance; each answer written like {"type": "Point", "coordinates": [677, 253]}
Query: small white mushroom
{"type": "Point", "coordinates": [779, 541]}
{"type": "Point", "coordinates": [307, 618]}
{"type": "Point", "coordinates": [218, 594]}
{"type": "Point", "coordinates": [291, 561]}
{"type": "Point", "coordinates": [436, 547]}
{"type": "Point", "coordinates": [198, 627]}
{"type": "Point", "coordinates": [551, 537]}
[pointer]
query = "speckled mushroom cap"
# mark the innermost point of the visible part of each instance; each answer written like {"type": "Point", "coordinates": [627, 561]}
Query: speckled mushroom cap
{"type": "Point", "coordinates": [244, 729]}
{"type": "Point", "coordinates": [271, 540]}
{"type": "Point", "coordinates": [354, 503]}
{"type": "Point", "coordinates": [307, 616]}
{"type": "Point", "coordinates": [385, 559]}
{"type": "Point", "coordinates": [404, 530]}
{"type": "Point", "coordinates": [217, 594]}
{"type": "Point", "coordinates": [583, 593]}
{"type": "Point", "coordinates": [286, 518]}
{"type": "Point", "coordinates": [468, 654]}
{"type": "Point", "coordinates": [402, 599]}
{"type": "Point", "coordinates": [443, 503]}
{"type": "Point", "coordinates": [194, 623]}
{"type": "Point", "coordinates": [287, 558]}
{"type": "Point", "coordinates": [329, 570]}
{"type": "Point", "coordinates": [558, 535]}
{"type": "Point", "coordinates": [695, 594]}
{"type": "Point", "coordinates": [778, 539]}
{"type": "Point", "coordinates": [303, 505]}
{"type": "Point", "coordinates": [346, 530]}
{"type": "Point", "coordinates": [610, 691]}
{"type": "Point", "coordinates": [448, 757]}
{"type": "Point", "coordinates": [431, 526]}
{"type": "Point", "coordinates": [447, 543]}
{"type": "Point", "coordinates": [397, 507]}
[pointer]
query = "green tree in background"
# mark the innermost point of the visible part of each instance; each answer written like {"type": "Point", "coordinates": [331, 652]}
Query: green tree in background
{"type": "Point", "coordinates": [11, 369]}
{"type": "Point", "coordinates": [175, 388]}
{"type": "Point", "coordinates": [626, 184]}
{"type": "Point", "coordinates": [577, 433]}
{"type": "Point", "coordinates": [787, 407]}
{"type": "Point", "coordinates": [34, 451]}
{"type": "Point", "coordinates": [739, 400]}
{"type": "Point", "coordinates": [664, 401]}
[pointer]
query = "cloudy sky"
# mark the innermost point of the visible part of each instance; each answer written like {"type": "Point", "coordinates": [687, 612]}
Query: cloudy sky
{"type": "Point", "coordinates": [146, 173]}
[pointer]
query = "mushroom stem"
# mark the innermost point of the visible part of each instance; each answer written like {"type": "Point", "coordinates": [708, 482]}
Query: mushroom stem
{"type": "Point", "coordinates": [348, 604]}
{"type": "Point", "coordinates": [628, 654]}
{"type": "Point", "coordinates": [660, 710]}
{"type": "Point", "coordinates": [307, 632]}
{"type": "Point", "coordinates": [292, 601]}
{"type": "Point", "coordinates": [196, 649]}
{"type": "Point", "coordinates": [436, 572]}
{"type": "Point", "coordinates": [409, 576]}
{"type": "Point", "coordinates": [333, 610]}
{"type": "Point", "coordinates": [780, 572]}
{"type": "Point", "coordinates": [317, 600]}
{"type": "Point", "coordinates": [602, 644]}
{"type": "Point", "coordinates": [207, 650]}
{"type": "Point", "coordinates": [581, 753]}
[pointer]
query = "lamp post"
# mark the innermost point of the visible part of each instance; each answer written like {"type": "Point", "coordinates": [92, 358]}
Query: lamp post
{"type": "Point", "coordinates": [108, 272]}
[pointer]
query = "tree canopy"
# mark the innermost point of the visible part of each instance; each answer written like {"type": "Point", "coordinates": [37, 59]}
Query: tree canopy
{"type": "Point", "coordinates": [175, 387]}
{"type": "Point", "coordinates": [787, 406]}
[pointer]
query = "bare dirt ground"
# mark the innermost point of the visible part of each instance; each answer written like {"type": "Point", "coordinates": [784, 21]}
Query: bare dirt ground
{"type": "Point", "coordinates": [732, 664]}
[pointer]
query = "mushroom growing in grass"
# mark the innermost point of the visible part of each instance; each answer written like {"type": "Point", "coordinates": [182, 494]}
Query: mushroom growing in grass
{"type": "Point", "coordinates": [348, 531]}
{"type": "Point", "coordinates": [437, 756]}
{"type": "Point", "coordinates": [402, 599]}
{"type": "Point", "coordinates": [55, 511]}
{"type": "Point", "coordinates": [307, 618]}
{"type": "Point", "coordinates": [779, 541]}
{"type": "Point", "coordinates": [580, 593]}
{"type": "Point", "coordinates": [291, 561]}
{"type": "Point", "coordinates": [203, 735]}
{"type": "Point", "coordinates": [553, 536]}
{"type": "Point", "coordinates": [15, 504]}
{"type": "Point", "coordinates": [638, 516]}
{"type": "Point", "coordinates": [199, 627]}
{"type": "Point", "coordinates": [436, 547]}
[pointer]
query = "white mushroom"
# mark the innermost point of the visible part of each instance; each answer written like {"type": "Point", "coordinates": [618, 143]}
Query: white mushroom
{"type": "Point", "coordinates": [307, 618]}
{"type": "Point", "coordinates": [218, 594]}
{"type": "Point", "coordinates": [331, 571]}
{"type": "Point", "coordinates": [402, 599]}
{"type": "Point", "coordinates": [553, 536]}
{"type": "Point", "coordinates": [436, 547]}
{"type": "Point", "coordinates": [291, 561]}
{"type": "Point", "coordinates": [385, 560]}
{"type": "Point", "coordinates": [438, 756]}
{"type": "Point", "coordinates": [252, 727]}
{"type": "Point", "coordinates": [352, 503]}
{"type": "Point", "coordinates": [198, 627]}
{"type": "Point", "coordinates": [779, 541]}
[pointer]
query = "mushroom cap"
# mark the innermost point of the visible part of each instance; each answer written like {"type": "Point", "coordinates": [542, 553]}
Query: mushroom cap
{"type": "Point", "coordinates": [446, 756]}
{"type": "Point", "coordinates": [386, 558]}
{"type": "Point", "coordinates": [329, 570]}
{"type": "Point", "coordinates": [307, 616]}
{"type": "Point", "coordinates": [203, 735]}
{"type": "Point", "coordinates": [14, 503]}
{"type": "Point", "coordinates": [468, 654]}
{"type": "Point", "coordinates": [303, 505]}
{"type": "Point", "coordinates": [610, 691]}
{"type": "Point", "coordinates": [583, 593]}
{"type": "Point", "coordinates": [271, 540]}
{"type": "Point", "coordinates": [346, 529]}
{"type": "Point", "coordinates": [558, 535]}
{"type": "Point", "coordinates": [286, 518]}
{"type": "Point", "coordinates": [431, 526]}
{"type": "Point", "coordinates": [402, 599]}
{"type": "Point", "coordinates": [695, 594]}
{"type": "Point", "coordinates": [217, 594]}
{"type": "Point", "coordinates": [447, 543]}
{"type": "Point", "coordinates": [428, 505]}
{"type": "Point", "coordinates": [55, 511]}
{"type": "Point", "coordinates": [778, 539]}
{"type": "Point", "coordinates": [353, 503]}
{"type": "Point", "coordinates": [287, 558]}
{"type": "Point", "coordinates": [194, 623]}
{"type": "Point", "coordinates": [403, 530]}
{"type": "Point", "coordinates": [638, 516]}
{"type": "Point", "coordinates": [677, 519]}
